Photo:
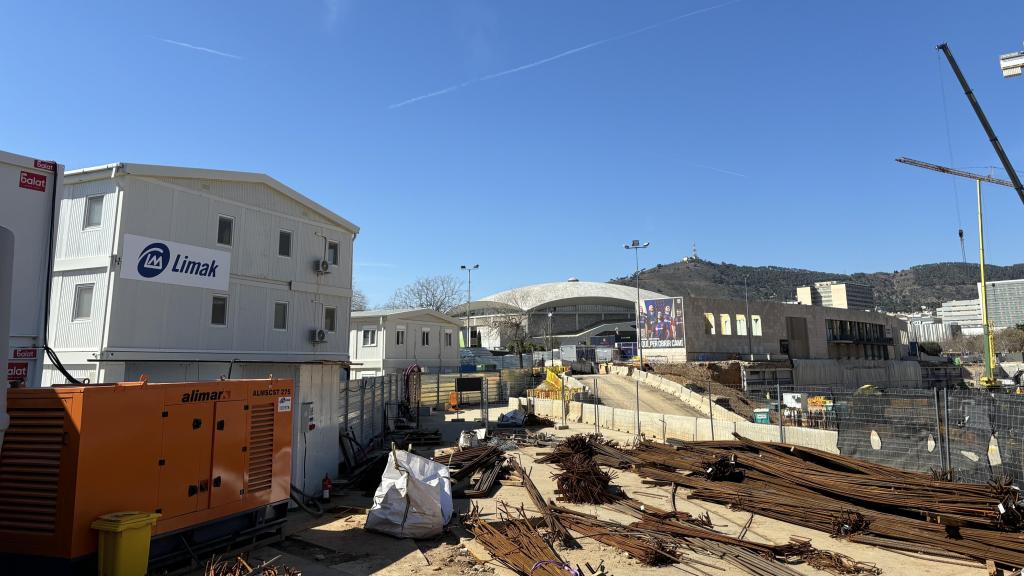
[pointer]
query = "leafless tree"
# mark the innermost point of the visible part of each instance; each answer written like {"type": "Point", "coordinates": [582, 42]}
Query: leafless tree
{"type": "Point", "coordinates": [1010, 339]}
{"type": "Point", "coordinates": [440, 293]}
{"type": "Point", "coordinates": [511, 323]}
{"type": "Point", "coordinates": [359, 301]}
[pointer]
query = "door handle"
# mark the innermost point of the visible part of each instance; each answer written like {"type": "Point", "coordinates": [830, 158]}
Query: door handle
{"type": "Point", "coordinates": [216, 482]}
{"type": "Point", "coordinates": [196, 423]}
{"type": "Point", "coordinates": [192, 489]}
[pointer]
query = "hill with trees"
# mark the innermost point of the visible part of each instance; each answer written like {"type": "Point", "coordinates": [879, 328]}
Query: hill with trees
{"type": "Point", "coordinates": [897, 291]}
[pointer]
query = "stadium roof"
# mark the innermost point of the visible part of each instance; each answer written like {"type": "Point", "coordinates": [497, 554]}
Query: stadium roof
{"type": "Point", "coordinates": [559, 294]}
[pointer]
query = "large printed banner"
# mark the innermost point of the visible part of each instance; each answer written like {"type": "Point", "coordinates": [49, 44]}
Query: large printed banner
{"type": "Point", "coordinates": [153, 260]}
{"type": "Point", "coordinates": [661, 323]}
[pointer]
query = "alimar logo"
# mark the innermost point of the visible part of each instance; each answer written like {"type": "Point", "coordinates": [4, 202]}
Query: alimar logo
{"type": "Point", "coordinates": [154, 260]}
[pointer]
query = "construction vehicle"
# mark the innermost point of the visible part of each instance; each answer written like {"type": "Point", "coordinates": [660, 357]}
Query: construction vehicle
{"type": "Point", "coordinates": [213, 459]}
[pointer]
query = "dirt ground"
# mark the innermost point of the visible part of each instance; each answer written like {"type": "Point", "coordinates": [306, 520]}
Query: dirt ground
{"type": "Point", "coordinates": [336, 545]}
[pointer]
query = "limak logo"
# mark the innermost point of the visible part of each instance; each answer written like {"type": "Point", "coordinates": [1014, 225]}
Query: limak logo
{"type": "Point", "coordinates": [174, 263]}
{"type": "Point", "coordinates": [154, 259]}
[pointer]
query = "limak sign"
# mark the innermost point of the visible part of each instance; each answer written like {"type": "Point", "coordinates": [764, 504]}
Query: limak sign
{"type": "Point", "coordinates": [155, 260]}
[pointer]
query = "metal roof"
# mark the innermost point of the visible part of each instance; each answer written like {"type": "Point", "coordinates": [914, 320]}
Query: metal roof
{"type": "Point", "coordinates": [542, 295]}
{"type": "Point", "coordinates": [158, 171]}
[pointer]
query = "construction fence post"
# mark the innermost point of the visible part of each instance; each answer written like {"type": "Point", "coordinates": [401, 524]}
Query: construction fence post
{"type": "Point", "coordinates": [938, 430]}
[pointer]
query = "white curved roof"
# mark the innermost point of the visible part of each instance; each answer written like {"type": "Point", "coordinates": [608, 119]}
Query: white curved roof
{"type": "Point", "coordinates": [564, 293]}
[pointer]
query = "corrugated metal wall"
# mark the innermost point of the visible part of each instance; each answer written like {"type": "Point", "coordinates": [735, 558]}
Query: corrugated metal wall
{"type": "Point", "coordinates": [72, 240]}
{"type": "Point", "coordinates": [79, 334]}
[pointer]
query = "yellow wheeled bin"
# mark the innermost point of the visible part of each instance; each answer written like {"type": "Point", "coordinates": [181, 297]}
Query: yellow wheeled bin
{"type": "Point", "coordinates": [124, 542]}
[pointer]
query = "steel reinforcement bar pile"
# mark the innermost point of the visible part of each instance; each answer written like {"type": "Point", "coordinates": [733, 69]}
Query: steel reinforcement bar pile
{"type": "Point", "coordinates": [463, 462]}
{"type": "Point", "coordinates": [515, 544]}
{"type": "Point", "coordinates": [845, 497]}
{"type": "Point", "coordinates": [555, 527]}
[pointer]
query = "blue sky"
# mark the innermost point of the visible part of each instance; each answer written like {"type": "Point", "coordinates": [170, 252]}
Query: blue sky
{"type": "Point", "coordinates": [548, 133]}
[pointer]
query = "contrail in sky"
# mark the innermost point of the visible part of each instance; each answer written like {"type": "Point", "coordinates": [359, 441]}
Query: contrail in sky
{"type": "Point", "coordinates": [558, 56]}
{"type": "Point", "coordinates": [722, 170]}
{"type": "Point", "coordinates": [201, 48]}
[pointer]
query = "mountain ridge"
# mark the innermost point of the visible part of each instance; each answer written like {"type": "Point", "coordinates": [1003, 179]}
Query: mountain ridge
{"type": "Point", "coordinates": [905, 290]}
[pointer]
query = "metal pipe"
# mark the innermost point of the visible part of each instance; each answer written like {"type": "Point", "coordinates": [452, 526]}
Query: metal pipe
{"type": "Point", "coordinates": [778, 392]}
{"type": "Point", "coordinates": [6, 286]}
{"type": "Point", "coordinates": [989, 379]}
{"type": "Point", "coordinates": [938, 429]}
{"type": "Point", "coordinates": [746, 322]}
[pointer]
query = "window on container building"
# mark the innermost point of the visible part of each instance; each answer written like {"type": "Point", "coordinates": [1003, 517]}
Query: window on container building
{"type": "Point", "coordinates": [93, 212]}
{"type": "Point", "coordinates": [369, 337]}
{"type": "Point", "coordinates": [284, 243]}
{"type": "Point", "coordinates": [755, 325]}
{"type": "Point", "coordinates": [330, 319]}
{"type": "Point", "coordinates": [425, 337]}
{"type": "Point", "coordinates": [448, 338]}
{"type": "Point", "coordinates": [726, 324]}
{"type": "Point", "coordinates": [400, 336]}
{"type": "Point", "coordinates": [219, 311]}
{"type": "Point", "coordinates": [83, 302]}
{"type": "Point", "coordinates": [225, 230]}
{"type": "Point", "coordinates": [332, 253]}
{"type": "Point", "coordinates": [280, 315]}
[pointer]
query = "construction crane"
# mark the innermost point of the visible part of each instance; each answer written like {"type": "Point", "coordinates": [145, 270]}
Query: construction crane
{"type": "Point", "coordinates": [1014, 179]}
{"type": "Point", "coordinates": [988, 380]}
{"type": "Point", "coordinates": [1014, 182]}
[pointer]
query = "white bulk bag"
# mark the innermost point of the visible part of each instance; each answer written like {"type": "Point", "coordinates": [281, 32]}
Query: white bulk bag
{"type": "Point", "coordinates": [414, 499]}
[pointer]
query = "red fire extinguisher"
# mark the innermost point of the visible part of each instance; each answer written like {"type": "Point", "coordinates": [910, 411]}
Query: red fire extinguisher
{"type": "Point", "coordinates": [326, 487]}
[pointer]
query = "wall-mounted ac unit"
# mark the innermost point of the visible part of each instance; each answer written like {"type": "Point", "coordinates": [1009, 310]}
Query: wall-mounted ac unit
{"type": "Point", "coordinates": [317, 336]}
{"type": "Point", "coordinates": [322, 266]}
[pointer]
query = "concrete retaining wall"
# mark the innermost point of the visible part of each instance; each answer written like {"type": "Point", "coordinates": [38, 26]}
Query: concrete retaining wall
{"type": "Point", "coordinates": [661, 426]}
{"type": "Point", "coordinates": [698, 402]}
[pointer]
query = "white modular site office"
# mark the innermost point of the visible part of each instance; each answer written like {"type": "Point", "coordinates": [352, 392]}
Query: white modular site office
{"type": "Point", "coordinates": [193, 274]}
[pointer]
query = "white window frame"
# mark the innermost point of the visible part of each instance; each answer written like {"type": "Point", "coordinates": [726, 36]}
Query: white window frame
{"type": "Point", "coordinates": [273, 319]}
{"type": "Point", "coordinates": [425, 337]}
{"type": "Point", "coordinates": [75, 312]}
{"type": "Point", "coordinates": [230, 219]}
{"type": "Point", "coordinates": [85, 216]}
{"type": "Point", "coordinates": [335, 310]}
{"type": "Point", "coordinates": [400, 336]}
{"type": "Point", "coordinates": [370, 342]}
{"type": "Point", "coordinates": [337, 252]}
{"type": "Point", "coordinates": [213, 299]}
{"type": "Point", "coordinates": [755, 325]}
{"type": "Point", "coordinates": [447, 338]}
{"type": "Point", "coordinates": [291, 246]}
{"type": "Point", "coordinates": [725, 324]}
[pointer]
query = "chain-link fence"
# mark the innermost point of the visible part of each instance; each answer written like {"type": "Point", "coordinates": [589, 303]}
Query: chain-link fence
{"type": "Point", "coordinates": [368, 408]}
{"type": "Point", "coordinates": [974, 433]}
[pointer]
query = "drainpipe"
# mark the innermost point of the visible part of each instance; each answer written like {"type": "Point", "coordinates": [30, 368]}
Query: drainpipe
{"type": "Point", "coordinates": [6, 280]}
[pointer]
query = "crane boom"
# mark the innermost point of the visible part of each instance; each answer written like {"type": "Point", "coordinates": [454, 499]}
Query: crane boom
{"type": "Point", "coordinates": [984, 122]}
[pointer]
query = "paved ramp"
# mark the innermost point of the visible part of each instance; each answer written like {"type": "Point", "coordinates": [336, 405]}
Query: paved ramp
{"type": "Point", "coordinates": [620, 392]}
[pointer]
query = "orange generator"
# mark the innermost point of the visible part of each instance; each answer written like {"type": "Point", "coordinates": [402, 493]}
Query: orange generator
{"type": "Point", "coordinates": [212, 458]}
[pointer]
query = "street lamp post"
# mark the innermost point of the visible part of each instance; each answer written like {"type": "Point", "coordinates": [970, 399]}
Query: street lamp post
{"type": "Point", "coordinates": [551, 349]}
{"type": "Point", "coordinates": [469, 339]}
{"type": "Point", "coordinates": [635, 246]}
{"type": "Point", "coordinates": [746, 305]}
{"type": "Point", "coordinates": [469, 303]}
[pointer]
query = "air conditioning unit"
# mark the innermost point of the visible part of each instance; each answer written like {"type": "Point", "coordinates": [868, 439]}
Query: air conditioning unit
{"type": "Point", "coordinates": [317, 336]}
{"type": "Point", "coordinates": [322, 266]}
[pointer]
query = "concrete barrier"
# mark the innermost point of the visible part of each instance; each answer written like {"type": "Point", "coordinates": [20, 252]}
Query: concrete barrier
{"type": "Point", "coordinates": [661, 426]}
{"type": "Point", "coordinates": [698, 402]}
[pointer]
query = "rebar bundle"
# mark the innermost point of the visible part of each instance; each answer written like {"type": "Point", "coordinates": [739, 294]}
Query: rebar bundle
{"type": "Point", "coordinates": [581, 481]}
{"type": "Point", "coordinates": [515, 543]}
{"type": "Point", "coordinates": [849, 498]}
